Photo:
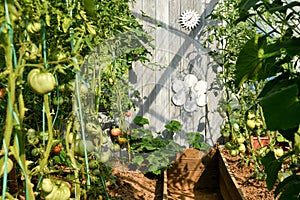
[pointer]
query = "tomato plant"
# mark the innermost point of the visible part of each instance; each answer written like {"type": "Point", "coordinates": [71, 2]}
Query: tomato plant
{"type": "Point", "coordinates": [43, 45]}
{"type": "Point", "coordinates": [260, 75]}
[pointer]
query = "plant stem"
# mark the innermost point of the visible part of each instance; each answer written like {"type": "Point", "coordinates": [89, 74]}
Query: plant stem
{"type": "Point", "coordinates": [50, 133]}
{"type": "Point", "coordinates": [11, 92]}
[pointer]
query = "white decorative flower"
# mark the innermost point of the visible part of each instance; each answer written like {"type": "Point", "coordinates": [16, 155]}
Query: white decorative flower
{"type": "Point", "coordinates": [189, 93]}
{"type": "Point", "coordinates": [189, 19]}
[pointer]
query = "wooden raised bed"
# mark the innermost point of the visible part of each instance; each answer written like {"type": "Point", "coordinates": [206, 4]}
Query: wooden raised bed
{"type": "Point", "coordinates": [201, 176]}
{"type": "Point", "coordinates": [194, 175]}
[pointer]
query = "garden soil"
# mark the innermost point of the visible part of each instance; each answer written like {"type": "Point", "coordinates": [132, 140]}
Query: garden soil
{"type": "Point", "coordinates": [251, 188]}
{"type": "Point", "coordinates": [131, 185]}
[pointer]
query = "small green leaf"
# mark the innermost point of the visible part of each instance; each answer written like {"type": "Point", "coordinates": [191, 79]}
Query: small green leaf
{"type": "Point", "coordinates": [138, 160]}
{"type": "Point", "coordinates": [139, 120]}
{"type": "Point", "coordinates": [66, 24]}
{"type": "Point", "coordinates": [91, 28]}
{"type": "Point", "coordinates": [173, 126]}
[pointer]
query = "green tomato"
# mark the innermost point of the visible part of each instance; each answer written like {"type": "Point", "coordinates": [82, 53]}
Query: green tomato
{"type": "Point", "coordinates": [234, 152]}
{"type": "Point", "coordinates": [228, 145]}
{"type": "Point", "coordinates": [242, 148]}
{"type": "Point", "coordinates": [104, 156]}
{"type": "Point", "coordinates": [251, 123]}
{"type": "Point", "coordinates": [58, 101]}
{"type": "Point", "coordinates": [10, 165]}
{"type": "Point", "coordinates": [96, 172]}
{"type": "Point", "coordinates": [93, 164]}
{"type": "Point", "coordinates": [278, 152]}
{"type": "Point", "coordinates": [35, 152]}
{"type": "Point", "coordinates": [236, 127]}
{"type": "Point", "coordinates": [31, 132]}
{"type": "Point", "coordinates": [47, 185]}
{"type": "Point", "coordinates": [240, 139]}
{"type": "Point", "coordinates": [41, 82]}
{"type": "Point", "coordinates": [225, 133]}
{"type": "Point", "coordinates": [64, 191]}
{"type": "Point", "coordinates": [79, 147]}
{"type": "Point", "coordinates": [115, 147]}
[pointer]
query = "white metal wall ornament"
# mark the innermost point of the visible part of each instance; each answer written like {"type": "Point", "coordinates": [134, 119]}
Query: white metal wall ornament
{"type": "Point", "coordinates": [189, 93]}
{"type": "Point", "coordinates": [189, 19]}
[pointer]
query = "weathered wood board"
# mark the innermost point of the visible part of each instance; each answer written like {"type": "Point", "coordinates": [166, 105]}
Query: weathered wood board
{"type": "Point", "coordinates": [178, 52]}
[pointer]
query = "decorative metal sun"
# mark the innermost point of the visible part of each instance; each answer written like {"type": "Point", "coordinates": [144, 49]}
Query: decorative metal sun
{"type": "Point", "coordinates": [189, 19]}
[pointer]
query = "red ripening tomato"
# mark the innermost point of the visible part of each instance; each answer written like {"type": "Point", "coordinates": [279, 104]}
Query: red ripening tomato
{"type": "Point", "coordinates": [2, 92]}
{"type": "Point", "coordinates": [128, 114]}
{"type": "Point", "coordinates": [115, 132]}
{"type": "Point", "coordinates": [56, 149]}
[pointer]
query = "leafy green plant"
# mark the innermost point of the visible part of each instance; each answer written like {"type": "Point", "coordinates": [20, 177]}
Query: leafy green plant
{"type": "Point", "coordinates": [196, 140]}
{"type": "Point", "coordinates": [261, 72]}
{"type": "Point", "coordinates": [274, 56]}
{"type": "Point", "coordinates": [153, 153]}
{"type": "Point", "coordinates": [42, 45]}
{"type": "Point", "coordinates": [173, 126]}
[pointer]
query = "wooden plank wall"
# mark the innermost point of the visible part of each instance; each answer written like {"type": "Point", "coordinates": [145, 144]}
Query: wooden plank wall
{"type": "Point", "coordinates": [178, 52]}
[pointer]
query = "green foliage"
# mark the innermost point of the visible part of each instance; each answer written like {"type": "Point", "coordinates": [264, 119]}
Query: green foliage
{"type": "Point", "coordinates": [269, 57]}
{"type": "Point", "coordinates": [173, 126]}
{"type": "Point", "coordinates": [196, 140]}
{"type": "Point", "coordinates": [153, 153]}
{"type": "Point", "coordinates": [276, 53]}
{"type": "Point", "coordinates": [272, 166]}
{"type": "Point", "coordinates": [139, 120]}
{"type": "Point", "coordinates": [257, 46]}
{"type": "Point", "coordinates": [59, 37]}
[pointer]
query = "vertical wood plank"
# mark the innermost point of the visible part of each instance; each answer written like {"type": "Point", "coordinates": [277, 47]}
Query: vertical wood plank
{"type": "Point", "coordinates": [149, 79]}
{"type": "Point", "coordinates": [161, 57]}
{"type": "Point", "coordinates": [175, 55]}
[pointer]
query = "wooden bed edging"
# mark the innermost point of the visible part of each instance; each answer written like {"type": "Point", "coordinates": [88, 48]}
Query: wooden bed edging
{"type": "Point", "coordinates": [227, 183]}
{"type": "Point", "coordinates": [228, 186]}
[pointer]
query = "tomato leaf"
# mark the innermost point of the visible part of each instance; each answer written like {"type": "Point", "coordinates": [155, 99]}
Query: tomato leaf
{"type": "Point", "coordinates": [280, 102]}
{"type": "Point", "coordinates": [173, 126]}
{"type": "Point", "coordinates": [289, 188]}
{"type": "Point", "coordinates": [249, 60]}
{"type": "Point", "coordinates": [272, 166]}
{"type": "Point", "coordinates": [245, 5]}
